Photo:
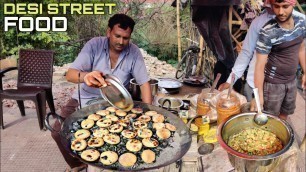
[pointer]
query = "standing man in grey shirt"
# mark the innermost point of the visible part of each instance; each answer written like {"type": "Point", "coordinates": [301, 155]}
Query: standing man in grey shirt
{"type": "Point", "coordinates": [279, 50]}
{"type": "Point", "coordinates": [113, 54]}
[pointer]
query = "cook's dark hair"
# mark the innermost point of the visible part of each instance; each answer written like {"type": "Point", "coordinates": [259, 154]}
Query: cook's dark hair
{"type": "Point", "coordinates": [123, 20]}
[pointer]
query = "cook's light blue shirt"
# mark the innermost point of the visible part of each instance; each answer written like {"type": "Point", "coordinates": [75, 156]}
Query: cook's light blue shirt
{"type": "Point", "coordinates": [95, 57]}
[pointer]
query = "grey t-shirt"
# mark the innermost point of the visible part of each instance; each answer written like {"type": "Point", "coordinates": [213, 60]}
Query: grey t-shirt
{"type": "Point", "coordinates": [282, 45]}
{"type": "Point", "coordinates": [95, 56]}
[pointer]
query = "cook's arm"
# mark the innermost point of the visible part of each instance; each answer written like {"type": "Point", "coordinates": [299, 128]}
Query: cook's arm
{"type": "Point", "coordinates": [146, 94]}
{"type": "Point", "coordinates": [92, 79]}
{"type": "Point", "coordinates": [303, 63]}
{"type": "Point", "coordinates": [259, 75]}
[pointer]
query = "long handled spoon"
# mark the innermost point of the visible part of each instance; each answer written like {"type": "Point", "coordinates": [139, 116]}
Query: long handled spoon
{"type": "Point", "coordinates": [260, 118]}
{"type": "Point", "coordinates": [215, 83]}
{"type": "Point", "coordinates": [231, 86]}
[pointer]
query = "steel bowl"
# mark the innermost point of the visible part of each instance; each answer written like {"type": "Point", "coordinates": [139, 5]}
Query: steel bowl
{"type": "Point", "coordinates": [170, 103]}
{"type": "Point", "coordinates": [242, 121]}
{"type": "Point", "coordinates": [172, 86]}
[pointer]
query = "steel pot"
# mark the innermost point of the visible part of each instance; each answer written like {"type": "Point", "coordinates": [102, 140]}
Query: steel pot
{"type": "Point", "coordinates": [170, 103]}
{"type": "Point", "coordinates": [244, 162]}
{"type": "Point", "coordinates": [134, 88]}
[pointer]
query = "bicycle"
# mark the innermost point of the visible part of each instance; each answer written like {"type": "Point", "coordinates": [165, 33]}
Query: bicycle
{"type": "Point", "coordinates": [188, 65]}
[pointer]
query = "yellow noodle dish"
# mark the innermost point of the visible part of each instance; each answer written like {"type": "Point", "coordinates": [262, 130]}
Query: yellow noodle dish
{"type": "Point", "coordinates": [255, 141]}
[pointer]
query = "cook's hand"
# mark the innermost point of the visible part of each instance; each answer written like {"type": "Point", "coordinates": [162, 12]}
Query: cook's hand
{"type": "Point", "coordinates": [304, 81]}
{"type": "Point", "coordinates": [253, 105]}
{"type": "Point", "coordinates": [95, 79]}
{"type": "Point", "coordinates": [224, 86]}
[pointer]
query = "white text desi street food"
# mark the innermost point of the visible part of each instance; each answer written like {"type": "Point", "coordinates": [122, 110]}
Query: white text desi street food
{"type": "Point", "coordinates": [117, 138]}
{"type": "Point", "coordinates": [255, 141]}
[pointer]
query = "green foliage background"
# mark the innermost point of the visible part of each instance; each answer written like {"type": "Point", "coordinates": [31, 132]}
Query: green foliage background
{"type": "Point", "coordinates": [155, 30]}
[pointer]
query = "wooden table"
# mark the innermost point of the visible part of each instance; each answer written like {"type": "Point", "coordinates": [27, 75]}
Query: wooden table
{"type": "Point", "coordinates": [218, 160]}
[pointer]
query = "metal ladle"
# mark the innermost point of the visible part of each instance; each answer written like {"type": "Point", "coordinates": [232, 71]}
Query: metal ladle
{"type": "Point", "coordinates": [260, 118]}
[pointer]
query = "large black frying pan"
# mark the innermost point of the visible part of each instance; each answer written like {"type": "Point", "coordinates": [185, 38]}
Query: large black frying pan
{"type": "Point", "coordinates": [180, 145]}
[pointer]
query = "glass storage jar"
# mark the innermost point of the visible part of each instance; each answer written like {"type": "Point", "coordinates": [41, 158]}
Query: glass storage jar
{"type": "Point", "coordinates": [227, 106]}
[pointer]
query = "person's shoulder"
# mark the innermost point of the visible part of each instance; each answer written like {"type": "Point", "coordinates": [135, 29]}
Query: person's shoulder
{"type": "Point", "coordinates": [298, 15]}
{"type": "Point", "coordinates": [270, 24]}
{"type": "Point", "coordinates": [133, 48]}
{"type": "Point", "coordinates": [261, 20]}
{"type": "Point", "coordinates": [98, 39]}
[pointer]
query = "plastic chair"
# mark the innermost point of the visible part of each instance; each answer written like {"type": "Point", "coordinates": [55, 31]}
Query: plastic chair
{"type": "Point", "coordinates": [35, 72]}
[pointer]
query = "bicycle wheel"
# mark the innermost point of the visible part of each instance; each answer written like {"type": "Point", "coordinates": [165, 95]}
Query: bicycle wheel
{"type": "Point", "coordinates": [190, 65]}
{"type": "Point", "coordinates": [181, 66]}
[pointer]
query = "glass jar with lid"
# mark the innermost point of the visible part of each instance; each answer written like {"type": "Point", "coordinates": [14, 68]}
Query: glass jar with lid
{"type": "Point", "coordinates": [204, 104]}
{"type": "Point", "coordinates": [227, 106]}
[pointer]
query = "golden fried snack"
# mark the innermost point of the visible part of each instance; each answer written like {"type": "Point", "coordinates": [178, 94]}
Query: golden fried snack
{"type": "Point", "coordinates": [129, 134]}
{"type": "Point", "coordinates": [108, 157]}
{"type": "Point", "coordinates": [151, 113]}
{"type": "Point", "coordinates": [120, 113]}
{"type": "Point", "coordinates": [111, 139]}
{"type": "Point", "coordinates": [81, 134]}
{"type": "Point", "coordinates": [78, 144]}
{"type": "Point", "coordinates": [144, 133]}
{"type": "Point", "coordinates": [158, 118]}
{"type": "Point", "coordinates": [145, 118]}
{"type": "Point", "coordinates": [104, 122]}
{"type": "Point", "coordinates": [127, 159]}
{"type": "Point", "coordinates": [123, 122]}
{"type": "Point", "coordinates": [112, 118]}
{"type": "Point", "coordinates": [134, 145]}
{"type": "Point", "coordinates": [94, 117]}
{"type": "Point", "coordinates": [137, 110]}
{"type": "Point", "coordinates": [111, 109]}
{"type": "Point", "coordinates": [163, 133]}
{"type": "Point", "coordinates": [87, 123]}
{"type": "Point", "coordinates": [95, 142]}
{"type": "Point", "coordinates": [150, 142]}
{"type": "Point", "coordinates": [103, 112]}
{"type": "Point", "coordinates": [158, 125]}
{"type": "Point", "coordinates": [115, 128]}
{"type": "Point", "coordinates": [148, 156]}
{"type": "Point", "coordinates": [90, 155]}
{"type": "Point", "coordinates": [131, 115]}
{"type": "Point", "coordinates": [170, 127]}
{"type": "Point", "coordinates": [100, 132]}
{"type": "Point", "coordinates": [140, 125]}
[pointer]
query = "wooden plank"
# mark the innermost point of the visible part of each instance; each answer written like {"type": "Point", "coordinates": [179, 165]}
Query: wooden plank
{"type": "Point", "coordinates": [199, 66]}
{"type": "Point", "coordinates": [230, 18]}
{"type": "Point", "coordinates": [299, 7]}
{"type": "Point", "coordinates": [237, 15]}
{"type": "Point", "coordinates": [179, 47]}
{"type": "Point", "coordinates": [237, 42]}
{"type": "Point", "coordinates": [237, 22]}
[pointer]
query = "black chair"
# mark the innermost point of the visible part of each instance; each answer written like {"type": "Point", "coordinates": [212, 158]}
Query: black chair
{"type": "Point", "coordinates": [35, 72]}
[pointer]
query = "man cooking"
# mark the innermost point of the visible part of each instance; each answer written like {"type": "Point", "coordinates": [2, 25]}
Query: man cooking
{"type": "Point", "coordinates": [279, 50]}
{"type": "Point", "coordinates": [113, 54]}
